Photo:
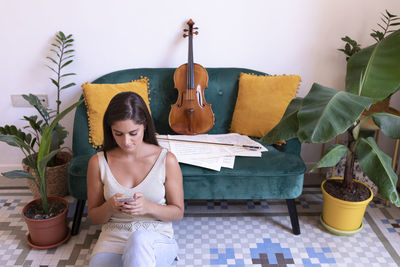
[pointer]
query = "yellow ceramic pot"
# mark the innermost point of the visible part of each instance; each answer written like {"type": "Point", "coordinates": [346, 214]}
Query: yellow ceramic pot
{"type": "Point", "coordinates": [343, 215]}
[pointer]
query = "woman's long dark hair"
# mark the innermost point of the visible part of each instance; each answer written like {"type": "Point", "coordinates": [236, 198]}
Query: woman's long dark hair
{"type": "Point", "coordinates": [127, 106]}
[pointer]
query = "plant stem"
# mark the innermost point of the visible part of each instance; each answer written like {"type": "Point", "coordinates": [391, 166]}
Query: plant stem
{"type": "Point", "coordinates": [59, 75]}
{"type": "Point", "coordinates": [45, 205]}
{"type": "Point", "coordinates": [348, 170]}
{"type": "Point", "coordinates": [43, 190]}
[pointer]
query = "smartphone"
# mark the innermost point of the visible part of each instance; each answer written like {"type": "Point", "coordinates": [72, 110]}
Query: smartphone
{"type": "Point", "coordinates": [125, 199]}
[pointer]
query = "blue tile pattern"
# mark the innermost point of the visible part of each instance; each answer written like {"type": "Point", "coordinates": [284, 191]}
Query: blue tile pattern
{"type": "Point", "coordinates": [270, 253]}
{"type": "Point", "coordinates": [213, 204]}
{"type": "Point", "coordinates": [303, 202]}
{"type": "Point", "coordinates": [222, 257]}
{"type": "Point", "coordinates": [392, 225]}
{"type": "Point", "coordinates": [9, 204]}
{"type": "Point", "coordinates": [321, 257]}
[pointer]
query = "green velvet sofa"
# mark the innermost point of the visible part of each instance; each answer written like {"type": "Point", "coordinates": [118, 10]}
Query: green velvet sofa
{"type": "Point", "coordinates": [278, 174]}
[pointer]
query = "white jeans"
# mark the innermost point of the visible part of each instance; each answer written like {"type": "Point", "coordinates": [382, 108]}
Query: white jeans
{"type": "Point", "coordinates": [144, 249]}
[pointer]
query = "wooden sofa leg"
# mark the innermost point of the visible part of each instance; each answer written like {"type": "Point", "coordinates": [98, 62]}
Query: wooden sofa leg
{"type": "Point", "coordinates": [294, 219]}
{"type": "Point", "coordinates": [80, 205]}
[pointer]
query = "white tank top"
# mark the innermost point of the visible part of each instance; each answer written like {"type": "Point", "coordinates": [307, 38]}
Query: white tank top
{"type": "Point", "coordinates": [117, 230]}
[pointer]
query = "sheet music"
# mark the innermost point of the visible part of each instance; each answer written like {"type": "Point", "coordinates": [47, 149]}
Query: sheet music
{"type": "Point", "coordinates": [228, 162]}
{"type": "Point", "coordinates": [206, 155]}
{"type": "Point", "coordinates": [196, 150]}
{"type": "Point", "coordinates": [209, 163]}
{"type": "Point", "coordinates": [214, 164]}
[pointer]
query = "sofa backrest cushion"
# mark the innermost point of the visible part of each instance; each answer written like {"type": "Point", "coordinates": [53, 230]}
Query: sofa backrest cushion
{"type": "Point", "coordinates": [261, 102]}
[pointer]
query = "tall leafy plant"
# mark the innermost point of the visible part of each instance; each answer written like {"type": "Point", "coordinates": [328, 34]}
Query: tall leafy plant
{"type": "Point", "coordinates": [38, 162]}
{"type": "Point", "coordinates": [373, 74]}
{"type": "Point", "coordinates": [42, 138]}
{"type": "Point", "coordinates": [62, 54]}
{"type": "Point", "coordinates": [62, 57]}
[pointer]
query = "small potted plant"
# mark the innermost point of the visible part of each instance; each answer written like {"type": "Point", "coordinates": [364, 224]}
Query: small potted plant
{"type": "Point", "coordinates": [325, 113]}
{"type": "Point", "coordinates": [40, 151]}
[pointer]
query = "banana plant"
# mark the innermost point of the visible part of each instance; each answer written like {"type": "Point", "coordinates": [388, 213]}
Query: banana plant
{"type": "Point", "coordinates": [372, 74]}
{"type": "Point", "coordinates": [39, 161]}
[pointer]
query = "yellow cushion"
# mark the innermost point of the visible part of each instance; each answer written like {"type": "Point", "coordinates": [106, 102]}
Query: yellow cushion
{"type": "Point", "coordinates": [97, 98]}
{"type": "Point", "coordinates": [261, 102]}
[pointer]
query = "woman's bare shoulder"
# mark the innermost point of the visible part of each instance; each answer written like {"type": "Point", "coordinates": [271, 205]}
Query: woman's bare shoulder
{"type": "Point", "coordinates": [93, 161]}
{"type": "Point", "coordinates": [171, 158]}
{"type": "Point", "coordinates": [94, 158]}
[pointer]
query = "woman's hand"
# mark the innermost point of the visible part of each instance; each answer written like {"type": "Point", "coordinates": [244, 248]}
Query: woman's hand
{"type": "Point", "coordinates": [138, 207]}
{"type": "Point", "coordinates": [114, 205]}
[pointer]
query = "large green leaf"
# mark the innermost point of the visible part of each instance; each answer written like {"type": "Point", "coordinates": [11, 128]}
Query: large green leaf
{"type": "Point", "coordinates": [14, 140]}
{"type": "Point", "coordinates": [388, 123]}
{"type": "Point", "coordinates": [377, 166]}
{"type": "Point", "coordinates": [37, 104]}
{"type": "Point", "coordinates": [18, 174]}
{"type": "Point", "coordinates": [327, 112]}
{"type": "Point", "coordinates": [287, 127]}
{"type": "Point", "coordinates": [380, 66]}
{"type": "Point", "coordinates": [332, 156]}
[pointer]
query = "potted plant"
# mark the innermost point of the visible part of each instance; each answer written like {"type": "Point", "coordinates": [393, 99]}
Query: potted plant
{"type": "Point", "coordinates": [57, 173]}
{"type": "Point", "coordinates": [324, 113]}
{"type": "Point", "coordinates": [45, 216]}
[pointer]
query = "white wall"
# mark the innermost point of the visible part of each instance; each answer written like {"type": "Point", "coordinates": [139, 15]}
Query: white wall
{"type": "Point", "coordinates": [292, 37]}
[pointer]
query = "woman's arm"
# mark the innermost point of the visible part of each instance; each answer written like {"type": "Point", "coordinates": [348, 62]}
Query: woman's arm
{"type": "Point", "coordinates": [173, 211]}
{"type": "Point", "coordinates": [99, 210]}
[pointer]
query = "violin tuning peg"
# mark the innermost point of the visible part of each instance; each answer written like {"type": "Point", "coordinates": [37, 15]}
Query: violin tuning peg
{"type": "Point", "coordinates": [185, 30]}
{"type": "Point", "coordinates": [196, 28]}
{"type": "Point", "coordinates": [185, 35]}
{"type": "Point", "coordinates": [196, 32]}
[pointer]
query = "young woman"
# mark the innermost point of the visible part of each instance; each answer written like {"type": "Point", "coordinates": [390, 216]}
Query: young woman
{"type": "Point", "coordinates": [138, 231]}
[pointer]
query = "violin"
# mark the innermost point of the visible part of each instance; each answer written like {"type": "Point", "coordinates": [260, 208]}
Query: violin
{"type": "Point", "coordinates": [191, 114]}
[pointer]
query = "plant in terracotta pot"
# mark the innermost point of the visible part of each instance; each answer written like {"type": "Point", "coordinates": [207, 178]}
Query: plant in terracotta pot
{"type": "Point", "coordinates": [325, 113]}
{"type": "Point", "coordinates": [62, 54]}
{"type": "Point", "coordinates": [43, 210]}
{"type": "Point", "coordinates": [45, 216]}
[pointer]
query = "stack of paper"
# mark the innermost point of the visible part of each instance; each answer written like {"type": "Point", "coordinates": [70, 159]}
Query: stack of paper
{"type": "Point", "coordinates": [211, 151]}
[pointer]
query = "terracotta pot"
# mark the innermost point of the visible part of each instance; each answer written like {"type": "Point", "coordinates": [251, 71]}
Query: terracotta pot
{"type": "Point", "coordinates": [47, 233]}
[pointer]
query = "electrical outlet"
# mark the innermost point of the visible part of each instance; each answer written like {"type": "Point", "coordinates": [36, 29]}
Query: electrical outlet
{"type": "Point", "coordinates": [20, 102]}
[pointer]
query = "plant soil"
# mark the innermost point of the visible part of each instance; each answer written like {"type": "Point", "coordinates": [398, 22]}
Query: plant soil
{"type": "Point", "coordinates": [36, 212]}
{"type": "Point", "coordinates": [358, 193]}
